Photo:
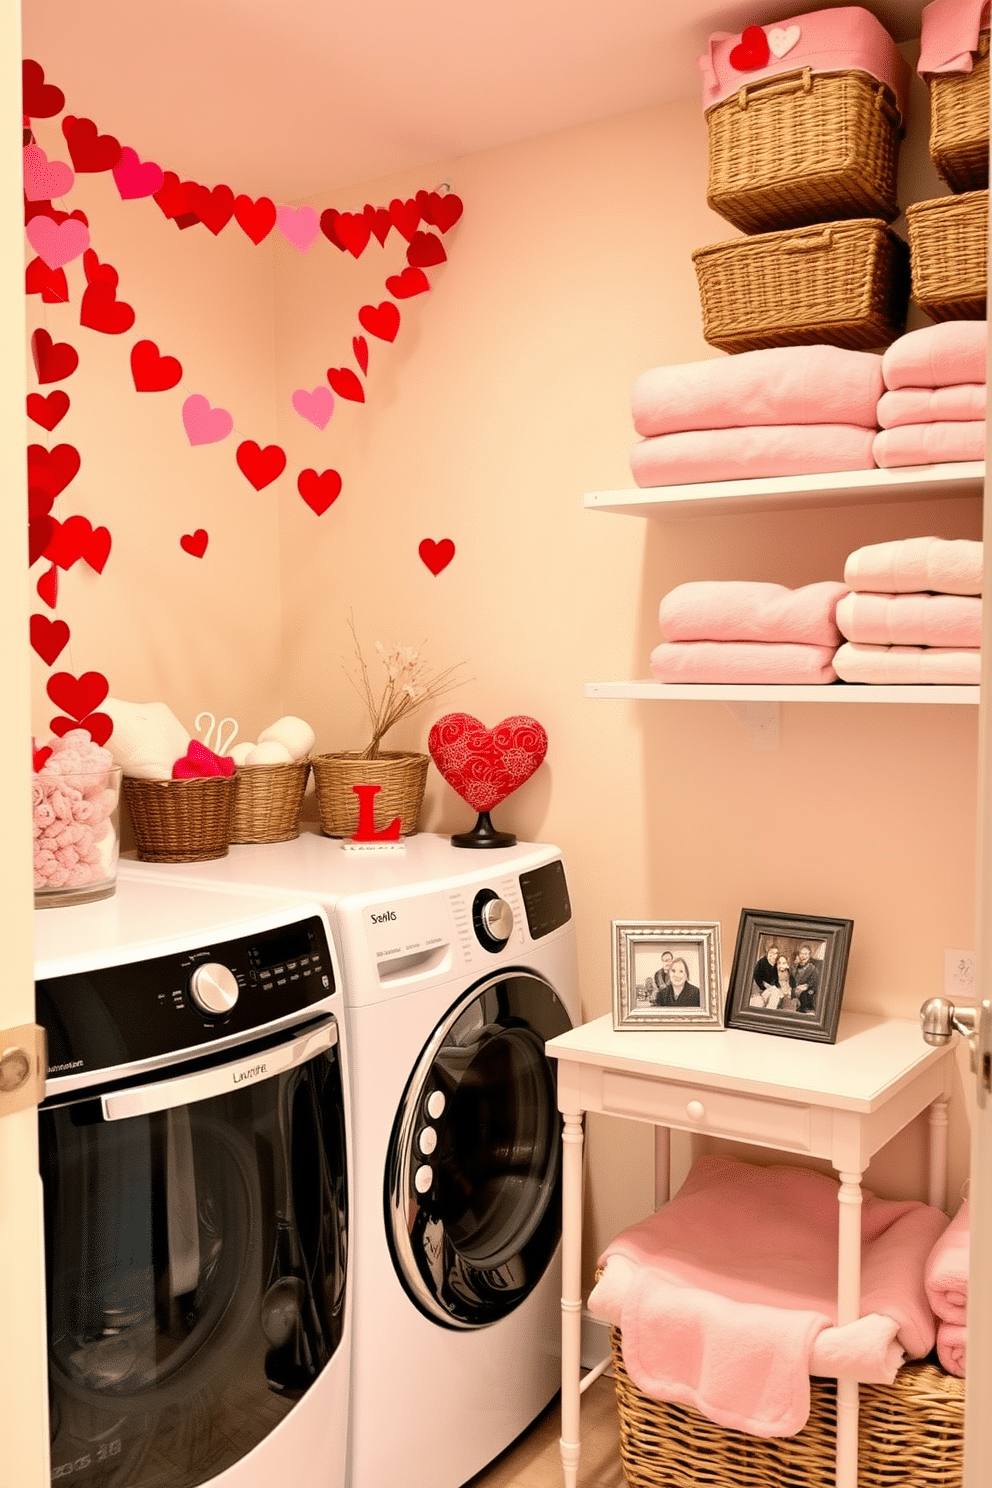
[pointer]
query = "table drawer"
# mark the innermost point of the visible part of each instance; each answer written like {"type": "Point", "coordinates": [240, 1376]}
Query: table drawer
{"type": "Point", "coordinates": [787, 1125]}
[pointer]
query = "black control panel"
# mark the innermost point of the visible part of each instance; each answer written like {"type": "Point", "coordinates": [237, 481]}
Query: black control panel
{"type": "Point", "coordinates": [545, 896]}
{"type": "Point", "coordinates": [112, 1016]}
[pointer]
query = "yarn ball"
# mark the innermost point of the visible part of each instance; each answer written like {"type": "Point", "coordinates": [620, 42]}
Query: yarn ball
{"type": "Point", "coordinates": [269, 752]}
{"type": "Point", "coordinates": [239, 754]}
{"type": "Point", "coordinates": [295, 734]}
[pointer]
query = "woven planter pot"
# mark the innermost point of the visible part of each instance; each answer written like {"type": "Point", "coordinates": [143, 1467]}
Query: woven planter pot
{"type": "Point", "coordinates": [959, 123]}
{"type": "Point", "coordinates": [401, 778]}
{"type": "Point", "coordinates": [949, 252]}
{"type": "Point", "coordinates": [268, 800]}
{"type": "Point", "coordinates": [180, 821]}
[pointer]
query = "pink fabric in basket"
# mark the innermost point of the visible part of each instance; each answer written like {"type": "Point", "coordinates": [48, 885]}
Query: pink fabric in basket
{"type": "Point", "coordinates": [829, 41]}
{"type": "Point", "coordinates": [949, 34]}
{"type": "Point", "coordinates": [947, 1269]}
{"type": "Point", "coordinates": [748, 454]}
{"type": "Point", "coordinates": [743, 661]}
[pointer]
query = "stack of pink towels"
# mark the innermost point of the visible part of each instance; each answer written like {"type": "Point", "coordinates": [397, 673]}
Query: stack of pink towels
{"type": "Point", "coordinates": [787, 410]}
{"type": "Point", "coordinates": [914, 613]}
{"type": "Point", "coordinates": [933, 409]}
{"type": "Point", "coordinates": [738, 631]}
{"type": "Point", "coordinates": [945, 1277]}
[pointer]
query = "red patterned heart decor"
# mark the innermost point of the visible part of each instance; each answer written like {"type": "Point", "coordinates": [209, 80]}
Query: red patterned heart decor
{"type": "Point", "coordinates": [482, 765]}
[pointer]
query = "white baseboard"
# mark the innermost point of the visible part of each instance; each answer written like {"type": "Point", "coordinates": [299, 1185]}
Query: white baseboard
{"type": "Point", "coordinates": [595, 1340]}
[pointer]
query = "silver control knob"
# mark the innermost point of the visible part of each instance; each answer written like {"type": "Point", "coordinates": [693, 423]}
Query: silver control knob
{"type": "Point", "coordinates": [497, 919]}
{"type": "Point", "coordinates": [213, 989]}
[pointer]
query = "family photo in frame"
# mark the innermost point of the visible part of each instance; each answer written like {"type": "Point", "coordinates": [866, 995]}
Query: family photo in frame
{"type": "Point", "coordinates": [788, 974]}
{"type": "Point", "coordinates": [666, 974]}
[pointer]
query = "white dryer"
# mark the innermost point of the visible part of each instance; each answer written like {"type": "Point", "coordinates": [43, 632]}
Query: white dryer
{"type": "Point", "coordinates": [457, 966]}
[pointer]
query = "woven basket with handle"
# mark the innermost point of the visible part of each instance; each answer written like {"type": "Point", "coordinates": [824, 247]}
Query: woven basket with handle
{"type": "Point", "coordinates": [180, 821]}
{"type": "Point", "coordinates": [401, 779]}
{"type": "Point", "coordinates": [949, 251]}
{"type": "Point", "coordinates": [959, 123]}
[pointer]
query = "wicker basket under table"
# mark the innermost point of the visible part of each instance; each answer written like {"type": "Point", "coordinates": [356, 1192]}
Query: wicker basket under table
{"type": "Point", "coordinates": [842, 283]}
{"type": "Point", "coordinates": [268, 800]}
{"type": "Point", "coordinates": [959, 123]}
{"type": "Point", "coordinates": [911, 1435]}
{"type": "Point", "coordinates": [949, 252]}
{"type": "Point", "coordinates": [804, 147]}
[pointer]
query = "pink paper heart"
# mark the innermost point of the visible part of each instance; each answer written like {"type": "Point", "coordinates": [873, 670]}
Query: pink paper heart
{"type": "Point", "coordinates": [203, 424]}
{"type": "Point", "coordinates": [58, 243]}
{"type": "Point", "coordinates": [298, 225]}
{"type": "Point", "coordinates": [136, 177]}
{"type": "Point", "coordinates": [316, 407]}
{"type": "Point", "coordinates": [45, 179]}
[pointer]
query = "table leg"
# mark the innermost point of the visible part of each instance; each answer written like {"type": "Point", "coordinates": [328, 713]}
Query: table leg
{"type": "Point", "coordinates": [848, 1311]}
{"type": "Point", "coordinates": [937, 1195]}
{"type": "Point", "coordinates": [662, 1165]}
{"type": "Point", "coordinates": [571, 1294]}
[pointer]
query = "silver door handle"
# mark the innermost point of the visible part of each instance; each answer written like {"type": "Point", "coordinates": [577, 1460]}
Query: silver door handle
{"type": "Point", "coordinates": [940, 1020]}
{"type": "Point", "coordinates": [224, 1079]}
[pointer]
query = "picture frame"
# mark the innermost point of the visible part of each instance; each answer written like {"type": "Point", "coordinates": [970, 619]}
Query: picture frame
{"type": "Point", "coordinates": [666, 975]}
{"type": "Point", "coordinates": [801, 1000]}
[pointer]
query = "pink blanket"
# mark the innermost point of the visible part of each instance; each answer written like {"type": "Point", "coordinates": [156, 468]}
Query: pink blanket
{"type": "Point", "coordinates": [946, 1273]}
{"type": "Point", "coordinates": [949, 34]}
{"type": "Point", "coordinates": [908, 666]}
{"type": "Point", "coordinates": [749, 453]}
{"type": "Point", "coordinates": [742, 661]}
{"type": "Point", "coordinates": [778, 385]}
{"type": "Point", "coordinates": [952, 1347]}
{"type": "Point", "coordinates": [722, 1294]}
{"type": "Point", "coordinates": [911, 565]}
{"type": "Point", "coordinates": [953, 620]}
{"type": "Point", "coordinates": [929, 444]}
{"type": "Point", "coordinates": [739, 610]}
{"type": "Point", "coordinates": [954, 351]}
{"type": "Point", "coordinates": [959, 402]}
{"type": "Point", "coordinates": [823, 40]}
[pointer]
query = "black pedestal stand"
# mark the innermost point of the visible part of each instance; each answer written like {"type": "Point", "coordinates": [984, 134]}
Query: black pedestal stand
{"type": "Point", "coordinates": [483, 834]}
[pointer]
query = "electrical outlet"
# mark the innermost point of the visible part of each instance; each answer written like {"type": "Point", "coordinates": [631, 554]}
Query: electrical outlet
{"type": "Point", "coordinates": [959, 974]}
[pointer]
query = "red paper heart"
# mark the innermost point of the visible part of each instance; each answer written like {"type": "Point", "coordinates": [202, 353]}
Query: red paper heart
{"type": "Point", "coordinates": [256, 218]}
{"type": "Point", "coordinates": [41, 100]}
{"type": "Point", "coordinates": [102, 311]}
{"type": "Point", "coordinates": [425, 250]}
{"type": "Point", "coordinates": [752, 51]}
{"type": "Point", "coordinates": [47, 587]}
{"type": "Point", "coordinates": [328, 226]}
{"type": "Point", "coordinates": [88, 150]}
{"type": "Point", "coordinates": [173, 195]}
{"type": "Point", "coordinates": [380, 223]}
{"type": "Point", "coordinates": [485, 765]}
{"type": "Point", "coordinates": [345, 383]}
{"type": "Point", "coordinates": [443, 210]}
{"type": "Point", "coordinates": [194, 543]}
{"type": "Point", "coordinates": [48, 411]}
{"type": "Point", "coordinates": [409, 282]}
{"type": "Point", "coordinates": [40, 757]}
{"type": "Point", "coordinates": [214, 208]}
{"type": "Point", "coordinates": [360, 347]}
{"type": "Point", "coordinates": [51, 284]}
{"type": "Point", "coordinates": [45, 209]}
{"type": "Point", "coordinates": [405, 215]}
{"type": "Point", "coordinates": [261, 466]}
{"type": "Point", "coordinates": [52, 469]}
{"type": "Point", "coordinates": [436, 555]}
{"type": "Point", "coordinates": [353, 230]}
{"type": "Point", "coordinates": [41, 530]}
{"type": "Point", "coordinates": [77, 696]}
{"type": "Point", "coordinates": [98, 273]}
{"type": "Point", "coordinates": [380, 320]}
{"type": "Point", "coordinates": [53, 360]}
{"type": "Point", "coordinates": [76, 539]}
{"type": "Point", "coordinates": [153, 373]}
{"type": "Point", "coordinates": [99, 726]}
{"type": "Point", "coordinates": [319, 491]}
{"type": "Point", "coordinates": [48, 637]}
{"type": "Point", "coordinates": [40, 501]}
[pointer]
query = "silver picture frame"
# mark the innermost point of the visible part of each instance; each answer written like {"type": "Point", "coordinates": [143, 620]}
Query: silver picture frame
{"type": "Point", "coordinates": [666, 975]}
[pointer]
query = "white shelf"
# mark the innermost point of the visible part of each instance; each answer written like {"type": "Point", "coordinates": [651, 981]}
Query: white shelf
{"type": "Point", "coordinates": [836, 692]}
{"type": "Point", "coordinates": [785, 492]}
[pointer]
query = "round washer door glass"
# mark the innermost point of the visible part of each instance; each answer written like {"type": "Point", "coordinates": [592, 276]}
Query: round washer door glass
{"type": "Point", "coordinates": [473, 1183]}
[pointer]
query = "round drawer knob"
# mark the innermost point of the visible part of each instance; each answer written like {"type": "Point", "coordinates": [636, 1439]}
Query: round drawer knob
{"type": "Point", "coordinates": [695, 1110]}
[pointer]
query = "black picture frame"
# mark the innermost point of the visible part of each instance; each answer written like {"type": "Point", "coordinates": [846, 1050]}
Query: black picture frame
{"type": "Point", "coordinates": [805, 1001]}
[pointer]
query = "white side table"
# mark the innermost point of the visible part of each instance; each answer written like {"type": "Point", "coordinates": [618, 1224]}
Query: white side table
{"type": "Point", "coordinates": [839, 1101]}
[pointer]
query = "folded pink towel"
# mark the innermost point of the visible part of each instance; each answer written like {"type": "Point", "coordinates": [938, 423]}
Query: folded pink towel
{"type": "Point", "coordinates": [778, 385]}
{"type": "Point", "coordinates": [911, 565]}
{"type": "Point", "coordinates": [959, 402]}
{"type": "Point", "coordinates": [929, 444]}
{"type": "Point", "coordinates": [742, 661]}
{"type": "Point", "coordinates": [953, 620]}
{"type": "Point", "coordinates": [952, 1347]}
{"type": "Point", "coordinates": [739, 610]}
{"type": "Point", "coordinates": [908, 666]}
{"type": "Point", "coordinates": [749, 453]}
{"type": "Point", "coordinates": [744, 1261]}
{"type": "Point", "coordinates": [936, 355]}
{"type": "Point", "coordinates": [946, 1274]}
{"type": "Point", "coordinates": [949, 34]}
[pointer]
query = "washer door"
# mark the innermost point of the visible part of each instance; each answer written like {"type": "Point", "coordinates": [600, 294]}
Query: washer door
{"type": "Point", "coordinates": [473, 1179]}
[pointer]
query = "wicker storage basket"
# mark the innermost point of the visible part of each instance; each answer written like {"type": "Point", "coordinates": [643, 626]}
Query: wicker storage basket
{"type": "Point", "coordinates": [180, 821]}
{"type": "Point", "coordinates": [911, 1435]}
{"type": "Point", "coordinates": [401, 778]}
{"type": "Point", "coordinates": [949, 250]}
{"type": "Point", "coordinates": [267, 801]}
{"type": "Point", "coordinates": [804, 147]}
{"type": "Point", "coordinates": [843, 283]}
{"type": "Point", "coordinates": [959, 123]}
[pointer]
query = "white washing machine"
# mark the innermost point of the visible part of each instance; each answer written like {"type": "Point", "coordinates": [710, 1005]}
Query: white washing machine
{"type": "Point", "coordinates": [195, 1159]}
{"type": "Point", "coordinates": [457, 966]}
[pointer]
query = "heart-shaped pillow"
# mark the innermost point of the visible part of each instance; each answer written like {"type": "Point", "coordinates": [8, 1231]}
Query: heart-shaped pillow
{"type": "Point", "coordinates": [486, 765]}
